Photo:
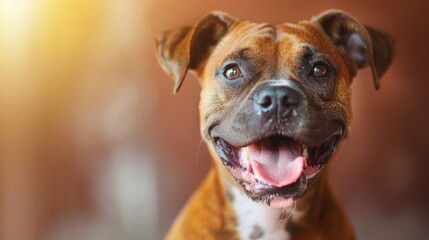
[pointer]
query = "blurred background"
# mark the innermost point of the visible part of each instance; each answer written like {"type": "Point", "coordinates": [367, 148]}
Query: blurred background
{"type": "Point", "coordinates": [94, 145]}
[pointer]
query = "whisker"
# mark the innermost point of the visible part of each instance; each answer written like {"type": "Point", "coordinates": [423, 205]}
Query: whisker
{"type": "Point", "coordinates": [198, 151]}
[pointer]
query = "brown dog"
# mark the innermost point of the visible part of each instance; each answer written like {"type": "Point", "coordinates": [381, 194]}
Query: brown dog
{"type": "Point", "coordinates": [275, 105]}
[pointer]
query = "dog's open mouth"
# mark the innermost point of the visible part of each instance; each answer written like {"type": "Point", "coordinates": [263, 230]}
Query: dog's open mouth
{"type": "Point", "coordinates": [276, 166]}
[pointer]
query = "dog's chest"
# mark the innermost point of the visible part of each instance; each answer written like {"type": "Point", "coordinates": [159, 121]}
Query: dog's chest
{"type": "Point", "coordinates": [257, 221]}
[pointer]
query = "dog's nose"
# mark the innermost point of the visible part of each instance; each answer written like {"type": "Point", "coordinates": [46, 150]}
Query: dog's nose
{"type": "Point", "coordinates": [281, 100]}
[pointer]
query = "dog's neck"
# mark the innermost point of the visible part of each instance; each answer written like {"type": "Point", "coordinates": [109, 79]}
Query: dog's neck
{"type": "Point", "coordinates": [256, 220]}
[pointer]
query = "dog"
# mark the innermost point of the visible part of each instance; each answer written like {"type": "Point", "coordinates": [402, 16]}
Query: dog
{"type": "Point", "coordinates": [275, 106]}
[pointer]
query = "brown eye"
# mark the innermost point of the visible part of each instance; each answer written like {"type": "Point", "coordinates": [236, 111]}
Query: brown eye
{"type": "Point", "coordinates": [319, 70]}
{"type": "Point", "coordinates": [232, 73]}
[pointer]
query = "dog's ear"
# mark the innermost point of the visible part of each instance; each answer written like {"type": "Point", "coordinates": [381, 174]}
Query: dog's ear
{"type": "Point", "coordinates": [363, 45]}
{"type": "Point", "coordinates": [187, 48]}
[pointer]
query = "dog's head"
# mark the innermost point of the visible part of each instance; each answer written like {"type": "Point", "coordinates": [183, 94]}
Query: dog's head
{"type": "Point", "coordinates": [275, 100]}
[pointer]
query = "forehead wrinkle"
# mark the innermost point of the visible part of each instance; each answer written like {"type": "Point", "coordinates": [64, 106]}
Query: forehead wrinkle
{"type": "Point", "coordinates": [238, 54]}
{"type": "Point", "coordinates": [238, 38]}
{"type": "Point", "coordinates": [246, 38]}
{"type": "Point", "coordinates": [305, 31]}
{"type": "Point", "coordinates": [292, 26]}
{"type": "Point", "coordinates": [252, 30]}
{"type": "Point", "coordinates": [267, 30]}
{"type": "Point", "coordinates": [295, 32]}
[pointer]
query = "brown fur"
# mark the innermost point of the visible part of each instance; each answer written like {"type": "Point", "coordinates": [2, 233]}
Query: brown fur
{"type": "Point", "coordinates": [270, 52]}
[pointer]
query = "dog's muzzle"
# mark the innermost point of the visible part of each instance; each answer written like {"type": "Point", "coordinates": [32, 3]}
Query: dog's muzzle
{"type": "Point", "coordinates": [265, 143]}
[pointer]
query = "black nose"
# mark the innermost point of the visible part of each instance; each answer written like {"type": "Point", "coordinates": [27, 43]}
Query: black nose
{"type": "Point", "coordinates": [279, 100]}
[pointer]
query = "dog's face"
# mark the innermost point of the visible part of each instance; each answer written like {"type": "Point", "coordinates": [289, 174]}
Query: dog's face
{"type": "Point", "coordinates": [275, 104]}
{"type": "Point", "coordinates": [275, 100]}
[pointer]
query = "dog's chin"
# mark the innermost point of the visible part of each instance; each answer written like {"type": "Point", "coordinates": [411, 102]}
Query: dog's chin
{"type": "Point", "coordinates": [276, 170]}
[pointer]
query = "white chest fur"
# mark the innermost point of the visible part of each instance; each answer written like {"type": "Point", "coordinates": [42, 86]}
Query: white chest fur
{"type": "Point", "coordinates": [258, 221]}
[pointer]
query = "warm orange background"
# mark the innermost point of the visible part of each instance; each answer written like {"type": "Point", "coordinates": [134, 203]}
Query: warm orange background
{"type": "Point", "coordinates": [93, 144]}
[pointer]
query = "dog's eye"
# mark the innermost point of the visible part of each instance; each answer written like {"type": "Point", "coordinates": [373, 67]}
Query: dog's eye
{"type": "Point", "coordinates": [232, 72]}
{"type": "Point", "coordinates": [319, 70]}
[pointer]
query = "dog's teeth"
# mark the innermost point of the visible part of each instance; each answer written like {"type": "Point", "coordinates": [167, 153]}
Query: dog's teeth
{"type": "Point", "coordinates": [245, 154]}
{"type": "Point", "coordinates": [294, 113]}
{"type": "Point", "coordinates": [304, 152]}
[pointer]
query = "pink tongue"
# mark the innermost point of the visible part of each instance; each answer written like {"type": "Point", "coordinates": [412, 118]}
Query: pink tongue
{"type": "Point", "coordinates": [276, 163]}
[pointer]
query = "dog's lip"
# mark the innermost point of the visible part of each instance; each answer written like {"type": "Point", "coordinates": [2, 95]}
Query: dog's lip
{"type": "Point", "coordinates": [214, 136]}
{"type": "Point", "coordinates": [315, 160]}
{"type": "Point", "coordinates": [214, 132]}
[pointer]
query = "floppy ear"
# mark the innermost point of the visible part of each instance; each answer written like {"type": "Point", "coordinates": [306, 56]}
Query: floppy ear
{"type": "Point", "coordinates": [363, 45]}
{"type": "Point", "coordinates": [186, 48]}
